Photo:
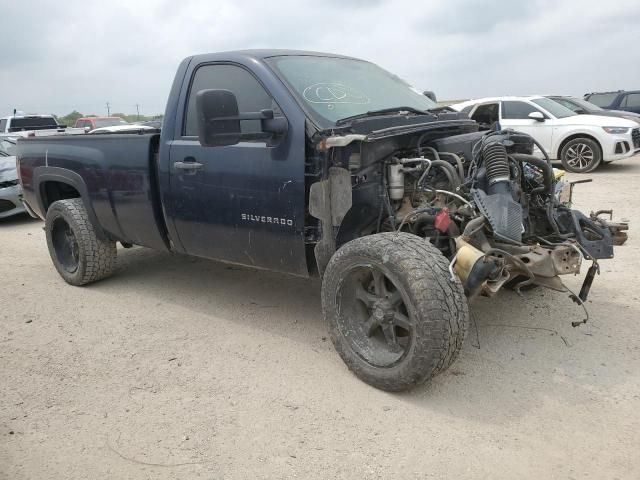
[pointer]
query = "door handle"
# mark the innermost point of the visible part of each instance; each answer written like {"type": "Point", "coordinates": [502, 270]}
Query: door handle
{"type": "Point", "coordinates": [191, 164]}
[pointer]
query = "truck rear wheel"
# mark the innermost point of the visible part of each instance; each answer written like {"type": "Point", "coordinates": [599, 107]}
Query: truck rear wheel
{"type": "Point", "coordinates": [395, 317]}
{"type": "Point", "coordinates": [77, 253]}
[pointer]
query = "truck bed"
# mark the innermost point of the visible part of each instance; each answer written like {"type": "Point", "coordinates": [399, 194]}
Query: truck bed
{"type": "Point", "coordinates": [114, 174]}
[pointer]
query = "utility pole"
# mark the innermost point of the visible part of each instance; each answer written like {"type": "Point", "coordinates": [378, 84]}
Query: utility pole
{"type": "Point", "coordinates": [138, 110]}
{"type": "Point", "coordinates": [108, 110]}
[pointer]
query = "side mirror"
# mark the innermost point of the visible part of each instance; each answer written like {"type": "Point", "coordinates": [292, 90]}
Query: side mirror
{"type": "Point", "coordinates": [218, 122]}
{"type": "Point", "coordinates": [537, 116]}
{"type": "Point", "coordinates": [219, 119]}
{"type": "Point", "coordinates": [430, 94]}
{"type": "Point", "coordinates": [87, 129]}
{"type": "Point", "coordinates": [580, 111]}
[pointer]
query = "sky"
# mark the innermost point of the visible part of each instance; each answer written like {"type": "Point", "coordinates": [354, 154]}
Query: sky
{"type": "Point", "coordinates": [79, 55]}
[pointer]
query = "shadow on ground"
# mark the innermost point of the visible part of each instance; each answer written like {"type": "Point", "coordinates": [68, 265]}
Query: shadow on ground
{"type": "Point", "coordinates": [526, 341]}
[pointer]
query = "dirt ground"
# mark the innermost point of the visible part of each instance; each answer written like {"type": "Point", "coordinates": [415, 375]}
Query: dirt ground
{"type": "Point", "coordinates": [179, 368]}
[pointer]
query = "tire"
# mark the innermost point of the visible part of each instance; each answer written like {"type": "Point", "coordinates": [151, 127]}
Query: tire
{"type": "Point", "coordinates": [581, 155]}
{"type": "Point", "coordinates": [77, 253]}
{"type": "Point", "coordinates": [394, 315]}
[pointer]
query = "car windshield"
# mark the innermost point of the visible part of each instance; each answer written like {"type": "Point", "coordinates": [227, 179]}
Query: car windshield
{"type": "Point", "coordinates": [603, 99]}
{"type": "Point", "coordinates": [109, 122]}
{"type": "Point", "coordinates": [333, 88]}
{"type": "Point", "coordinates": [554, 108]}
{"type": "Point", "coordinates": [7, 147]}
{"type": "Point", "coordinates": [584, 104]}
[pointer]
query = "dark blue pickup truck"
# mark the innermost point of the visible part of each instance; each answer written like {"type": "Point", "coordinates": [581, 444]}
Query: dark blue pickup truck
{"type": "Point", "coordinates": [318, 164]}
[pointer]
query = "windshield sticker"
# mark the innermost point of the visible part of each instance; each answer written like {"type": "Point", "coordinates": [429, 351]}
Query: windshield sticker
{"type": "Point", "coordinates": [331, 93]}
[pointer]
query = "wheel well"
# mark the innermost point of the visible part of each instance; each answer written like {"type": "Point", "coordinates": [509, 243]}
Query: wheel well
{"type": "Point", "coordinates": [54, 191]}
{"type": "Point", "coordinates": [573, 137]}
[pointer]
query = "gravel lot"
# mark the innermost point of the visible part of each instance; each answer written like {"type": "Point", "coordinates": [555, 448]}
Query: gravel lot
{"type": "Point", "coordinates": [179, 368]}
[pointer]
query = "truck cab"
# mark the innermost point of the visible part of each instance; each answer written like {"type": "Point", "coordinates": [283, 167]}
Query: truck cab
{"type": "Point", "coordinates": [251, 193]}
{"type": "Point", "coordinates": [21, 123]}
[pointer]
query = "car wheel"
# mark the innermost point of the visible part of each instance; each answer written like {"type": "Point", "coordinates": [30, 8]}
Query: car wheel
{"type": "Point", "coordinates": [395, 316]}
{"type": "Point", "coordinates": [76, 251]}
{"type": "Point", "coordinates": [581, 155]}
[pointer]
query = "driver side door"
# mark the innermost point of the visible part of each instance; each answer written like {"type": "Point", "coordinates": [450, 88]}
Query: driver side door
{"type": "Point", "coordinates": [241, 203]}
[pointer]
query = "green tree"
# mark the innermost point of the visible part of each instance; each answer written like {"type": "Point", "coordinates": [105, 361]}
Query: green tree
{"type": "Point", "coordinates": [70, 119]}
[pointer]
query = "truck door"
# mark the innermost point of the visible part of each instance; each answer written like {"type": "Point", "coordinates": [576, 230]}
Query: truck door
{"type": "Point", "coordinates": [242, 203]}
{"type": "Point", "coordinates": [515, 114]}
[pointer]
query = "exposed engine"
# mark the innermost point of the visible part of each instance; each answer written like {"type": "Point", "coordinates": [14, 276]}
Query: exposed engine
{"type": "Point", "coordinates": [500, 214]}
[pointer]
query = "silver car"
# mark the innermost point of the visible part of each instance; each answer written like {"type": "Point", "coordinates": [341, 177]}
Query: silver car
{"type": "Point", "coordinates": [10, 189]}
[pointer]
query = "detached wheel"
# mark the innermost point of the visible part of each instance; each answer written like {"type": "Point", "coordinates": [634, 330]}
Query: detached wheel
{"type": "Point", "coordinates": [394, 315]}
{"type": "Point", "coordinates": [581, 155]}
{"type": "Point", "coordinates": [77, 253]}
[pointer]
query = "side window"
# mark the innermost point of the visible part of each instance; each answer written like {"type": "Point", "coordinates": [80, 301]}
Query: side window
{"type": "Point", "coordinates": [517, 110]}
{"type": "Point", "coordinates": [251, 96]}
{"type": "Point", "coordinates": [486, 114]}
{"type": "Point", "coordinates": [3, 125]}
{"type": "Point", "coordinates": [632, 100]}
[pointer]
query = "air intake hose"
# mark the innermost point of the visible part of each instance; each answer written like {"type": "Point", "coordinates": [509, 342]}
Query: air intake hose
{"type": "Point", "coordinates": [496, 163]}
{"type": "Point", "coordinates": [547, 169]}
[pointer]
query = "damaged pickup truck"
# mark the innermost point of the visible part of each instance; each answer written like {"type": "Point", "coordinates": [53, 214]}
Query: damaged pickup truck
{"type": "Point", "coordinates": [316, 164]}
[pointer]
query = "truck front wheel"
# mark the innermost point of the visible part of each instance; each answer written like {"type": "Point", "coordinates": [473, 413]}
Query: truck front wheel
{"type": "Point", "coordinates": [77, 253]}
{"type": "Point", "coordinates": [395, 317]}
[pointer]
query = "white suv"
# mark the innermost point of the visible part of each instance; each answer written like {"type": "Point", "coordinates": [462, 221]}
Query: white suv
{"type": "Point", "coordinates": [580, 142]}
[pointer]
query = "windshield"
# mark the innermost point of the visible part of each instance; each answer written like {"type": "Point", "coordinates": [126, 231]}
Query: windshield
{"type": "Point", "coordinates": [584, 104]}
{"type": "Point", "coordinates": [333, 88]}
{"type": "Point", "coordinates": [554, 108]}
{"type": "Point", "coordinates": [7, 147]}
{"type": "Point", "coordinates": [575, 104]}
{"type": "Point", "coordinates": [603, 99]}
{"type": "Point", "coordinates": [109, 122]}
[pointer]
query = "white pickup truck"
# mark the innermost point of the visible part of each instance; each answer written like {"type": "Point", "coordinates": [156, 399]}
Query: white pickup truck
{"type": "Point", "coordinates": [34, 126]}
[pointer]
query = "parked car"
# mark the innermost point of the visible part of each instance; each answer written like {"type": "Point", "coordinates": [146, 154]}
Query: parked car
{"type": "Point", "coordinates": [151, 123]}
{"type": "Point", "coordinates": [582, 107]}
{"type": "Point", "coordinates": [621, 100]}
{"type": "Point", "coordinates": [21, 123]}
{"type": "Point", "coordinates": [10, 190]}
{"type": "Point", "coordinates": [318, 164]}
{"type": "Point", "coordinates": [91, 123]}
{"type": "Point", "coordinates": [128, 128]}
{"type": "Point", "coordinates": [580, 142]}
